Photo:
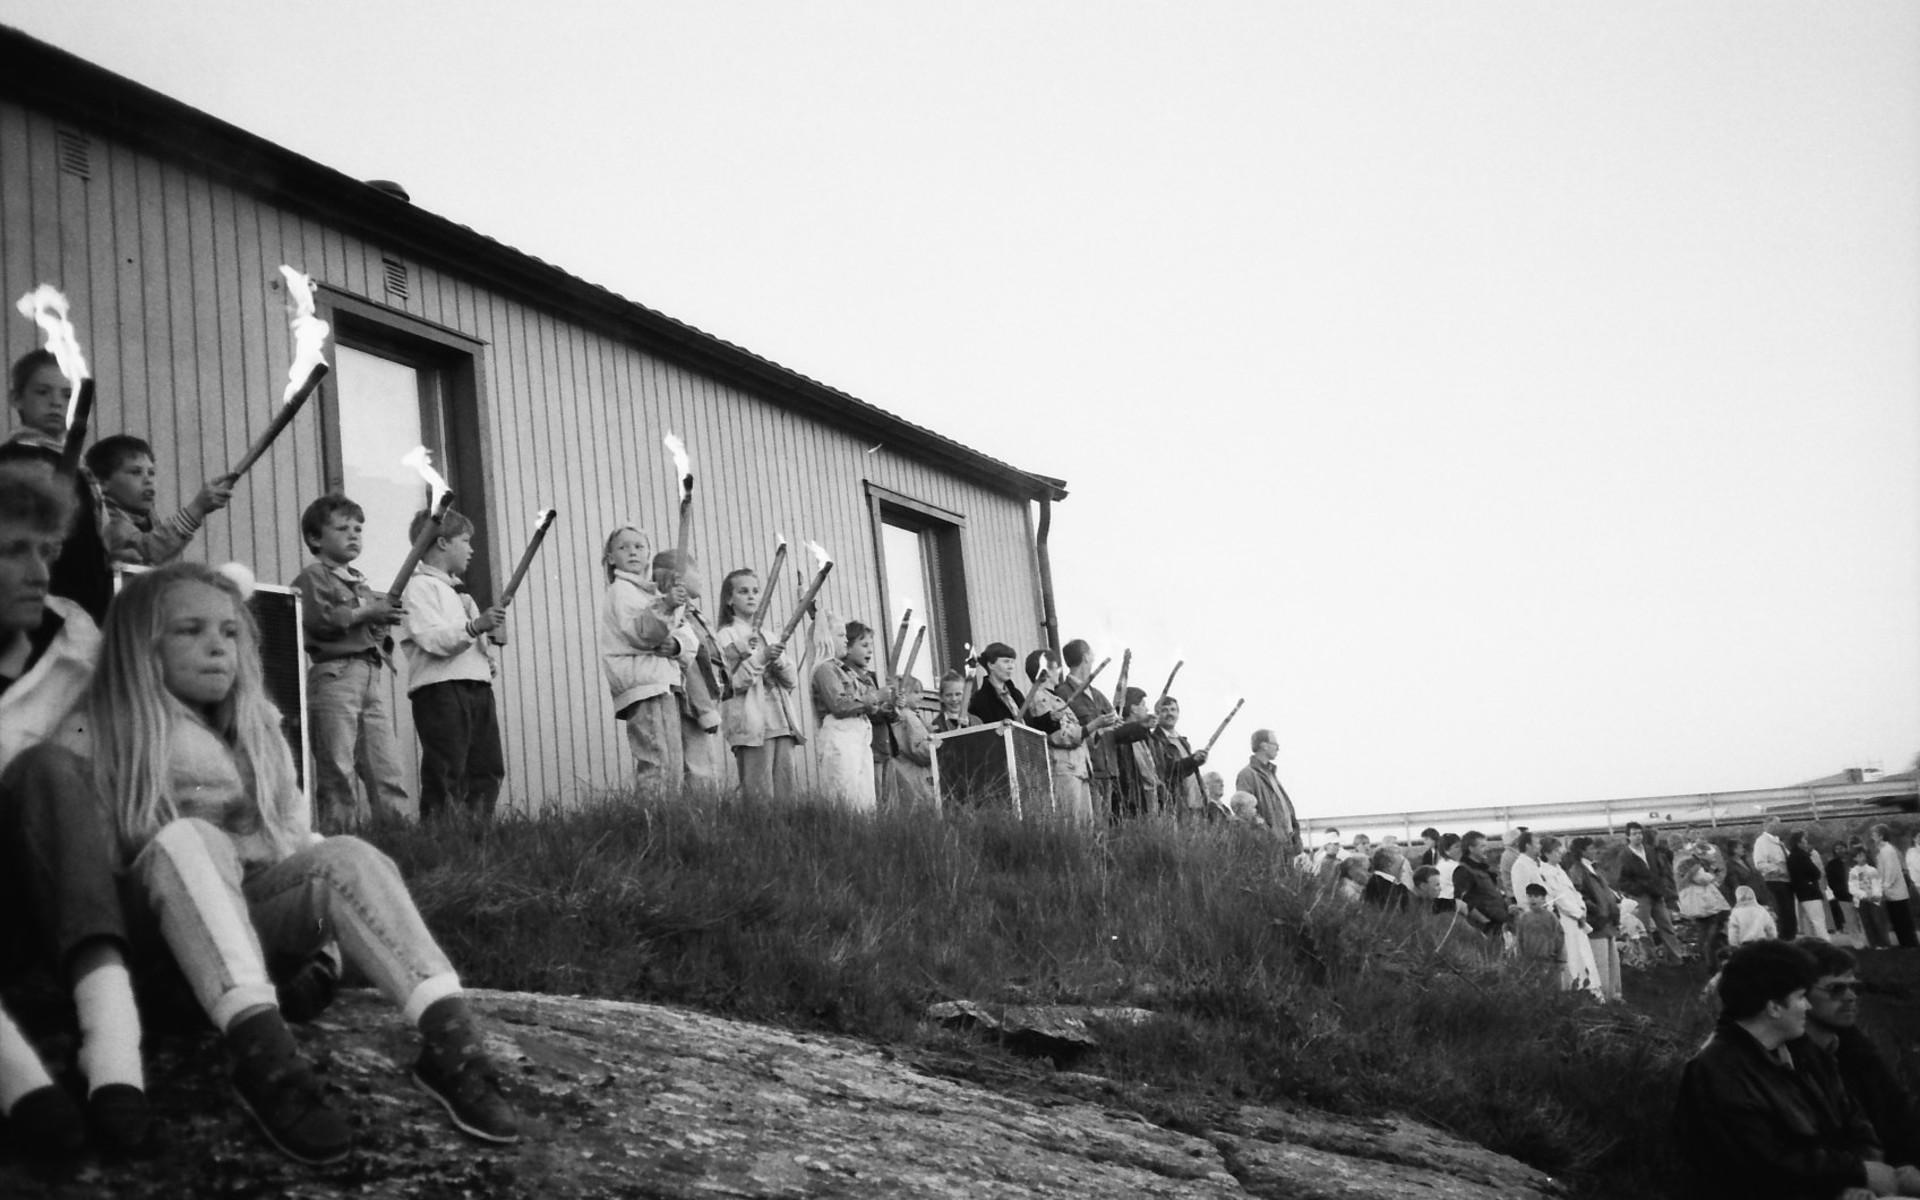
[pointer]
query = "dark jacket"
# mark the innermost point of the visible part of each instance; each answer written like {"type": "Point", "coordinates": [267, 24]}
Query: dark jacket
{"type": "Point", "coordinates": [1837, 868]}
{"type": "Point", "coordinates": [1136, 792]}
{"type": "Point", "coordinates": [1176, 764]}
{"type": "Point", "coordinates": [1088, 704]}
{"type": "Point", "coordinates": [1663, 868]}
{"type": "Point", "coordinates": [989, 707]}
{"type": "Point", "coordinates": [1640, 879]}
{"type": "Point", "coordinates": [1740, 873]}
{"type": "Point", "coordinates": [1475, 890]}
{"type": "Point", "coordinates": [1889, 1106]}
{"type": "Point", "coordinates": [1275, 806]}
{"type": "Point", "coordinates": [1753, 1127]}
{"type": "Point", "coordinates": [1603, 909]}
{"type": "Point", "coordinates": [1803, 874]}
{"type": "Point", "coordinates": [1389, 894]}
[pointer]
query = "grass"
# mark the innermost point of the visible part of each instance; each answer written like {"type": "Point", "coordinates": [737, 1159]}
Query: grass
{"type": "Point", "coordinates": [1266, 988]}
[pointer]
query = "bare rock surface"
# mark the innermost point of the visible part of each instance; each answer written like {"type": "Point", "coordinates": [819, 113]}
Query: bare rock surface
{"type": "Point", "coordinates": [1061, 1032]}
{"type": "Point", "coordinates": [636, 1100]}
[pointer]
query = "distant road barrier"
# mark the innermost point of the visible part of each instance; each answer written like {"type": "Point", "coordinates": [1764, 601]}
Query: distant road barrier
{"type": "Point", "coordinates": [1819, 802]}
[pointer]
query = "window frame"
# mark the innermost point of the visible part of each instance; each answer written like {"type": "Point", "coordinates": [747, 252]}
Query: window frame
{"type": "Point", "coordinates": [943, 561]}
{"type": "Point", "coordinates": [453, 412]}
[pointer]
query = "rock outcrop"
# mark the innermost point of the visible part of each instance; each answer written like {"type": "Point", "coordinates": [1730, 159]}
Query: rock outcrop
{"type": "Point", "coordinates": [635, 1100]}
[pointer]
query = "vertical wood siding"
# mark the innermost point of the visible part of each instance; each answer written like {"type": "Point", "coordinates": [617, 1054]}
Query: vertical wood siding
{"type": "Point", "coordinates": [169, 274]}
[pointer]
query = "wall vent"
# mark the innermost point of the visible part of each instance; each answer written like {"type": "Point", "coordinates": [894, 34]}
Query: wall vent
{"type": "Point", "coordinates": [396, 273]}
{"type": "Point", "coordinates": [76, 154]}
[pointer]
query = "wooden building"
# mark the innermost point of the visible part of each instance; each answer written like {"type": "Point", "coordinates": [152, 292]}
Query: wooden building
{"type": "Point", "coordinates": [166, 229]}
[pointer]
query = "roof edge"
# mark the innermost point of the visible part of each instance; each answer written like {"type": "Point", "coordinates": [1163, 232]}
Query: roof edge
{"type": "Point", "coordinates": [54, 81]}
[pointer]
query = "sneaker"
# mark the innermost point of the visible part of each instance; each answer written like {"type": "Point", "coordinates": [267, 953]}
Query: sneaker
{"type": "Point", "coordinates": [47, 1124]}
{"type": "Point", "coordinates": [280, 1092]}
{"type": "Point", "coordinates": [470, 1092]}
{"type": "Point", "coordinates": [122, 1121]}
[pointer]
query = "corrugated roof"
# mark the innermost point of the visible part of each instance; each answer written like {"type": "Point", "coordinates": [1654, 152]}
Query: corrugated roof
{"type": "Point", "coordinates": [51, 80]}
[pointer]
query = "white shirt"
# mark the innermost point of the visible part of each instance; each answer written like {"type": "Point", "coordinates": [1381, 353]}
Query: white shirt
{"type": "Point", "coordinates": [1770, 858]}
{"type": "Point", "coordinates": [1525, 871]}
{"type": "Point", "coordinates": [1893, 882]}
{"type": "Point", "coordinates": [433, 635]}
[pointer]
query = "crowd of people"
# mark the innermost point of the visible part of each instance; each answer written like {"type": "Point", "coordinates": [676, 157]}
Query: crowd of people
{"type": "Point", "coordinates": [1587, 905]}
{"type": "Point", "coordinates": [149, 803]}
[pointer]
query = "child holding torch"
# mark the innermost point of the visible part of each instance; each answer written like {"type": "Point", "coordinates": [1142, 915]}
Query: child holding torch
{"type": "Point", "coordinates": [39, 394]}
{"type": "Point", "coordinates": [643, 641]}
{"type": "Point", "coordinates": [758, 717]}
{"type": "Point", "coordinates": [450, 671]}
{"type": "Point", "coordinates": [348, 630]}
{"type": "Point", "coordinates": [906, 778]}
{"type": "Point", "coordinates": [703, 684]}
{"type": "Point", "coordinates": [847, 700]}
{"type": "Point", "coordinates": [124, 466]}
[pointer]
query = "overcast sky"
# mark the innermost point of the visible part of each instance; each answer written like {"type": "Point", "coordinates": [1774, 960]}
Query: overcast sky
{"type": "Point", "coordinates": [1515, 402]}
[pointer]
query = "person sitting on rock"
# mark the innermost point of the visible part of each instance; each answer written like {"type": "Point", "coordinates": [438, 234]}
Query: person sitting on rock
{"type": "Point", "coordinates": [1762, 1110]}
{"type": "Point", "coordinates": [1833, 1024]}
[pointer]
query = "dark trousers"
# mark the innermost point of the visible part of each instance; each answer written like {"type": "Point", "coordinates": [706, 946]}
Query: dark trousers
{"type": "Point", "coordinates": [461, 764]}
{"type": "Point", "coordinates": [1900, 912]}
{"type": "Point", "coordinates": [1786, 910]}
{"type": "Point", "coordinates": [59, 850]}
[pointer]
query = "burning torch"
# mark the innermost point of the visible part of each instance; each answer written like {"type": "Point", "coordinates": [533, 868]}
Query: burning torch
{"type": "Point", "coordinates": [46, 307]}
{"type": "Point", "coordinates": [308, 369]}
{"type": "Point", "coordinates": [684, 470]}
{"type": "Point", "coordinates": [813, 589]}
{"type": "Point", "coordinates": [441, 500]}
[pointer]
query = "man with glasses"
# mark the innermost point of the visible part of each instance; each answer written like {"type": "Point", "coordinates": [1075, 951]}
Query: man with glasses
{"type": "Point", "coordinates": [1833, 1024]}
{"type": "Point", "coordinates": [1762, 1111]}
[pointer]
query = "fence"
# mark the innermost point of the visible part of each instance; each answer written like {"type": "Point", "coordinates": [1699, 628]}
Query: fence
{"type": "Point", "coordinates": [1824, 802]}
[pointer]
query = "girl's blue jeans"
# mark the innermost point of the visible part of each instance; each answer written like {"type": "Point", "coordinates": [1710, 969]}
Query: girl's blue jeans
{"type": "Point", "coordinates": [222, 917]}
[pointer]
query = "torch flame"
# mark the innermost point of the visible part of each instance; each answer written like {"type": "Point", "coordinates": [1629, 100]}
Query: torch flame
{"type": "Point", "coordinates": [678, 449]}
{"type": "Point", "coordinates": [543, 516]}
{"type": "Point", "coordinates": [309, 331]}
{"type": "Point", "coordinates": [420, 460]}
{"type": "Point", "coordinates": [46, 307]}
{"type": "Point", "coordinates": [820, 555]}
{"type": "Point", "coordinates": [780, 540]}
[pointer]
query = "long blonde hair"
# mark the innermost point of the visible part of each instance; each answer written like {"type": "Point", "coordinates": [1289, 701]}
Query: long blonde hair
{"type": "Point", "coordinates": [131, 715]}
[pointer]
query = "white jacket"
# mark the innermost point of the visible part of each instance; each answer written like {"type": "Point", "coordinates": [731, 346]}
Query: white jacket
{"type": "Point", "coordinates": [433, 634]}
{"type": "Point", "coordinates": [37, 703]}
{"type": "Point", "coordinates": [633, 638]}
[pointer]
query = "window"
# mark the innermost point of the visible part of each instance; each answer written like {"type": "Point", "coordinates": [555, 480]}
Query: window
{"type": "Point", "coordinates": [921, 570]}
{"type": "Point", "coordinates": [399, 383]}
{"type": "Point", "coordinates": [380, 404]}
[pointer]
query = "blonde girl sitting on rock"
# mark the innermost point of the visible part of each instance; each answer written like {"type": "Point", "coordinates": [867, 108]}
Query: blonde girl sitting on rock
{"type": "Point", "coordinates": [184, 741]}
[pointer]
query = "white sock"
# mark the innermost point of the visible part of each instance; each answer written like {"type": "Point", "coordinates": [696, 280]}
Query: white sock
{"type": "Point", "coordinates": [109, 1021]}
{"type": "Point", "coordinates": [21, 1070]}
{"type": "Point", "coordinates": [429, 990]}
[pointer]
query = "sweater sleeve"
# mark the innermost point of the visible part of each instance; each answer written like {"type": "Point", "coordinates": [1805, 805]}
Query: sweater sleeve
{"type": "Point", "coordinates": [128, 543]}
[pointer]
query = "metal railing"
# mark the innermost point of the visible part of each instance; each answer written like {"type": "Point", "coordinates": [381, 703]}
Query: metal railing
{"type": "Point", "coordinates": [1818, 802]}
